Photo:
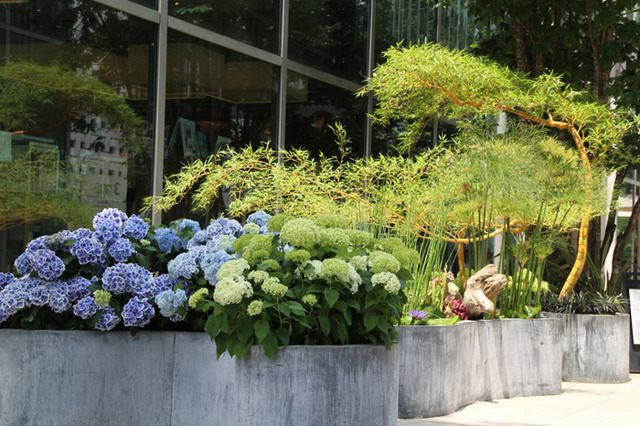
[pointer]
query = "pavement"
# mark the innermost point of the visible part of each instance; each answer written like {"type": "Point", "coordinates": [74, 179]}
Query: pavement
{"type": "Point", "coordinates": [578, 404]}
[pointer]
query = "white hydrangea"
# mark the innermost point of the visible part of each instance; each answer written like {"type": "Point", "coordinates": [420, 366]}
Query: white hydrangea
{"type": "Point", "coordinates": [390, 281]}
{"type": "Point", "coordinates": [311, 275]}
{"type": "Point", "coordinates": [231, 290]}
{"type": "Point", "coordinates": [354, 279]}
{"type": "Point", "coordinates": [258, 276]}
{"type": "Point", "coordinates": [232, 268]}
{"type": "Point", "coordinates": [359, 262]}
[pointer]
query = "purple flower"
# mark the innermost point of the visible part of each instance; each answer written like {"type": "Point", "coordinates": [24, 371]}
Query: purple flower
{"type": "Point", "coordinates": [121, 249]}
{"type": "Point", "coordinates": [260, 218]}
{"type": "Point", "coordinates": [137, 312]}
{"type": "Point", "coordinates": [108, 320]}
{"type": "Point", "coordinates": [85, 308]}
{"type": "Point", "coordinates": [88, 250]}
{"type": "Point", "coordinates": [47, 264]}
{"type": "Point", "coordinates": [6, 279]}
{"type": "Point", "coordinates": [418, 315]}
{"type": "Point", "coordinates": [23, 263]}
{"type": "Point", "coordinates": [135, 227]}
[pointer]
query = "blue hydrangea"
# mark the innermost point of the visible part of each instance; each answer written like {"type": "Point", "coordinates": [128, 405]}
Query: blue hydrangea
{"type": "Point", "coordinates": [163, 282]}
{"type": "Point", "coordinates": [58, 300]}
{"type": "Point", "coordinates": [78, 287]}
{"type": "Point", "coordinates": [135, 227]}
{"type": "Point", "coordinates": [88, 250]}
{"type": "Point", "coordinates": [23, 263]}
{"type": "Point", "coordinates": [188, 223]}
{"type": "Point", "coordinates": [260, 218]}
{"type": "Point", "coordinates": [116, 278]}
{"type": "Point", "coordinates": [212, 262]}
{"type": "Point", "coordinates": [108, 232]}
{"type": "Point", "coordinates": [47, 264]}
{"type": "Point", "coordinates": [38, 296]}
{"type": "Point", "coordinates": [80, 233]}
{"type": "Point", "coordinates": [109, 216]}
{"type": "Point", "coordinates": [137, 312]}
{"type": "Point", "coordinates": [37, 244]}
{"type": "Point", "coordinates": [224, 226]}
{"type": "Point", "coordinates": [199, 238]}
{"type": "Point", "coordinates": [169, 302]}
{"type": "Point", "coordinates": [142, 283]}
{"type": "Point", "coordinates": [225, 243]}
{"type": "Point", "coordinates": [85, 308]}
{"type": "Point", "coordinates": [6, 279]}
{"type": "Point", "coordinates": [57, 240]}
{"type": "Point", "coordinates": [121, 249]}
{"type": "Point", "coordinates": [183, 266]}
{"type": "Point", "coordinates": [167, 239]}
{"type": "Point", "coordinates": [108, 320]}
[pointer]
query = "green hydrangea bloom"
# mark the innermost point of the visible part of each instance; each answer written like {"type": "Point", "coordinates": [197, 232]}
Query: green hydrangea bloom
{"type": "Point", "coordinates": [275, 223]}
{"type": "Point", "coordinates": [274, 287]}
{"type": "Point", "coordinates": [102, 297]}
{"type": "Point", "coordinates": [258, 276]}
{"type": "Point", "coordinates": [360, 263]}
{"type": "Point", "coordinates": [360, 238]}
{"type": "Point", "coordinates": [309, 299]}
{"type": "Point", "coordinates": [258, 248]}
{"type": "Point", "coordinates": [335, 269]}
{"type": "Point", "coordinates": [198, 296]}
{"type": "Point", "coordinates": [380, 261]}
{"type": "Point", "coordinates": [406, 256]}
{"type": "Point", "coordinates": [272, 265]}
{"type": "Point", "coordinates": [313, 273]}
{"type": "Point", "coordinates": [254, 308]}
{"type": "Point", "coordinates": [231, 290]}
{"type": "Point", "coordinates": [390, 281]}
{"type": "Point", "coordinates": [331, 221]}
{"type": "Point", "coordinates": [251, 228]}
{"type": "Point", "coordinates": [333, 237]}
{"type": "Point", "coordinates": [391, 243]}
{"type": "Point", "coordinates": [232, 269]}
{"type": "Point", "coordinates": [298, 256]}
{"type": "Point", "coordinates": [144, 242]}
{"type": "Point", "coordinates": [301, 233]}
{"type": "Point", "coordinates": [241, 242]}
{"type": "Point", "coordinates": [354, 279]}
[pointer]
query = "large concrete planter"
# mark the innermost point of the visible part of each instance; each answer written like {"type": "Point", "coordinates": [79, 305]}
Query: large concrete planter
{"type": "Point", "coordinates": [113, 378]}
{"type": "Point", "coordinates": [596, 347]}
{"type": "Point", "coordinates": [318, 385]}
{"type": "Point", "coordinates": [443, 368]}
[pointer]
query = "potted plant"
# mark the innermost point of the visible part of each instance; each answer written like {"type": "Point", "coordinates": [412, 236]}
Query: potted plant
{"type": "Point", "coordinates": [70, 321]}
{"type": "Point", "coordinates": [309, 315]}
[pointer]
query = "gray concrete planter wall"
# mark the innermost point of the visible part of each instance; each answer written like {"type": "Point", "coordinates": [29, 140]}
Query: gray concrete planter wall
{"type": "Point", "coordinates": [443, 368]}
{"type": "Point", "coordinates": [596, 347]}
{"type": "Point", "coordinates": [318, 385]}
{"type": "Point", "coordinates": [87, 377]}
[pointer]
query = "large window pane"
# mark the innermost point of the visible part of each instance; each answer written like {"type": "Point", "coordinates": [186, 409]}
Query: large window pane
{"type": "Point", "coordinates": [457, 31]}
{"type": "Point", "coordinates": [330, 35]}
{"type": "Point", "coordinates": [66, 149]}
{"type": "Point", "coordinates": [410, 21]}
{"type": "Point", "coordinates": [252, 21]}
{"type": "Point", "coordinates": [216, 99]}
{"type": "Point", "coordinates": [313, 106]}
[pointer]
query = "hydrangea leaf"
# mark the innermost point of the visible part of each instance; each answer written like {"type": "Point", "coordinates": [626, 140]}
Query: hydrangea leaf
{"type": "Point", "coordinates": [261, 328]}
{"type": "Point", "coordinates": [331, 296]}
{"type": "Point", "coordinates": [370, 320]}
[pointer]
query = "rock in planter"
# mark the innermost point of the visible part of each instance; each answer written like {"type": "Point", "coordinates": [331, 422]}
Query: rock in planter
{"type": "Point", "coordinates": [596, 347]}
{"type": "Point", "coordinates": [481, 289]}
{"type": "Point", "coordinates": [318, 385]}
{"type": "Point", "coordinates": [113, 378]}
{"type": "Point", "coordinates": [443, 368]}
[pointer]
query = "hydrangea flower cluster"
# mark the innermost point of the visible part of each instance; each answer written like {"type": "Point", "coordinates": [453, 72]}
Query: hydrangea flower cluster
{"type": "Point", "coordinates": [121, 250]}
{"type": "Point", "coordinates": [170, 302]}
{"type": "Point", "coordinates": [137, 312]}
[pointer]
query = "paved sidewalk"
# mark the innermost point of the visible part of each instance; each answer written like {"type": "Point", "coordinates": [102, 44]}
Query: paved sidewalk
{"type": "Point", "coordinates": [578, 404]}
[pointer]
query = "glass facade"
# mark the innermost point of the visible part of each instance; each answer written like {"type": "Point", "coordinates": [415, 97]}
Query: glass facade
{"type": "Point", "coordinates": [199, 75]}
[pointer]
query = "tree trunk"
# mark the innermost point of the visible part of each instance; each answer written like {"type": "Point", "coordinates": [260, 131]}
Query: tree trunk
{"type": "Point", "coordinates": [621, 243]}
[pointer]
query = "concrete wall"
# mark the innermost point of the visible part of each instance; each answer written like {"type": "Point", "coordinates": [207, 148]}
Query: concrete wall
{"type": "Point", "coordinates": [113, 378]}
{"type": "Point", "coordinates": [443, 368]}
{"type": "Point", "coordinates": [596, 347]}
{"type": "Point", "coordinates": [318, 385]}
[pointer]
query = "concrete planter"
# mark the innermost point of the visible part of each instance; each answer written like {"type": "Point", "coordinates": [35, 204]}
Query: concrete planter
{"type": "Point", "coordinates": [443, 368]}
{"type": "Point", "coordinates": [596, 347]}
{"type": "Point", "coordinates": [113, 378]}
{"type": "Point", "coordinates": [318, 385]}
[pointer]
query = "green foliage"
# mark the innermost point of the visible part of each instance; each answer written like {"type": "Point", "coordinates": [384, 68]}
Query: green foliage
{"type": "Point", "coordinates": [34, 187]}
{"type": "Point", "coordinates": [35, 98]}
{"type": "Point", "coordinates": [321, 301]}
{"type": "Point", "coordinates": [422, 82]}
{"type": "Point", "coordinates": [585, 303]}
